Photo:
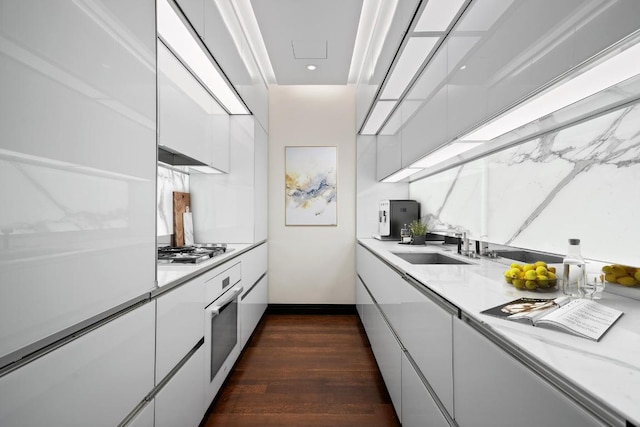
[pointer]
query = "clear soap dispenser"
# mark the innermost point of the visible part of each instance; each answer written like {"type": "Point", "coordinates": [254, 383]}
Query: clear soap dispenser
{"type": "Point", "coordinates": [574, 273]}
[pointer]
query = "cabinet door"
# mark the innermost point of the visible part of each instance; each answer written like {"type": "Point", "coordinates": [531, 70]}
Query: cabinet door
{"type": "Point", "coordinates": [493, 389]}
{"type": "Point", "coordinates": [186, 110]}
{"type": "Point", "coordinates": [224, 204]}
{"type": "Point", "coordinates": [181, 401]}
{"type": "Point", "coordinates": [384, 284]}
{"type": "Point", "coordinates": [426, 333]}
{"type": "Point", "coordinates": [254, 265]}
{"type": "Point", "coordinates": [252, 306]}
{"type": "Point", "coordinates": [179, 324]}
{"type": "Point", "coordinates": [418, 407]}
{"type": "Point", "coordinates": [261, 183]}
{"type": "Point", "coordinates": [385, 347]}
{"type": "Point", "coordinates": [96, 380]}
{"type": "Point", "coordinates": [78, 162]}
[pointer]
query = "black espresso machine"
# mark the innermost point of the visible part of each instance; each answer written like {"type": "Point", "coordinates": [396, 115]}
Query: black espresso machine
{"type": "Point", "coordinates": [393, 215]}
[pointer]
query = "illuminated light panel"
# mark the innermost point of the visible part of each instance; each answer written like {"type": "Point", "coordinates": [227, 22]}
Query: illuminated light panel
{"type": "Point", "coordinates": [377, 117]}
{"type": "Point", "coordinates": [607, 73]}
{"type": "Point", "coordinates": [411, 59]}
{"type": "Point", "coordinates": [175, 34]}
{"type": "Point", "coordinates": [438, 14]}
{"type": "Point", "coordinates": [445, 153]}
{"type": "Point", "coordinates": [401, 174]}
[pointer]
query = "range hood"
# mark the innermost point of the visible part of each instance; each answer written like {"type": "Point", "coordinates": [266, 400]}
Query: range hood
{"type": "Point", "coordinates": [174, 158]}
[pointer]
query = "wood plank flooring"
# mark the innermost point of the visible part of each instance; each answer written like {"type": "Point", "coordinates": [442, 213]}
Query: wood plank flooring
{"type": "Point", "coordinates": [305, 370]}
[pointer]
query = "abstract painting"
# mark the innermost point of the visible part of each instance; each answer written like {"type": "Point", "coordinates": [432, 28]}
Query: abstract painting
{"type": "Point", "coordinates": [311, 186]}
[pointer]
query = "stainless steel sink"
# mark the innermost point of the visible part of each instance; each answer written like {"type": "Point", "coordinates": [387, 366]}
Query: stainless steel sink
{"type": "Point", "coordinates": [427, 258]}
{"type": "Point", "coordinates": [528, 256]}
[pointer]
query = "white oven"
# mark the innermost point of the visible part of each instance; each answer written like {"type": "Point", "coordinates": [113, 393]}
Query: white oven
{"type": "Point", "coordinates": [222, 327]}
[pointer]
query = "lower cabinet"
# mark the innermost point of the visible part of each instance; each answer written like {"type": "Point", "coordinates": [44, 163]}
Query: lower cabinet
{"type": "Point", "coordinates": [95, 380]}
{"type": "Point", "coordinates": [181, 401]}
{"type": "Point", "coordinates": [492, 389]}
{"type": "Point", "coordinates": [419, 409]}
{"type": "Point", "coordinates": [385, 347]}
{"type": "Point", "coordinates": [253, 304]}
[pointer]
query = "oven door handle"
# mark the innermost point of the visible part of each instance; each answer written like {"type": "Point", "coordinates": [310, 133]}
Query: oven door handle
{"type": "Point", "coordinates": [217, 307]}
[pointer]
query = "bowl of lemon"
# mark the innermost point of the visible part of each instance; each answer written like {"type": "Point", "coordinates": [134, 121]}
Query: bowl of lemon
{"type": "Point", "coordinates": [622, 275]}
{"type": "Point", "coordinates": [532, 277]}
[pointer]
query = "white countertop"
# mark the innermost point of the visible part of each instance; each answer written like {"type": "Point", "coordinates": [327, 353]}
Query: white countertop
{"type": "Point", "coordinates": [170, 275]}
{"type": "Point", "coordinates": [606, 372]}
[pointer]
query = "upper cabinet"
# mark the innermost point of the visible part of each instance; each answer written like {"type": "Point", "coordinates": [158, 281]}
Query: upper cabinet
{"type": "Point", "coordinates": [77, 162]}
{"type": "Point", "coordinates": [190, 121]}
{"type": "Point", "coordinates": [217, 26]}
{"type": "Point", "coordinates": [491, 56]}
{"type": "Point", "coordinates": [233, 207]}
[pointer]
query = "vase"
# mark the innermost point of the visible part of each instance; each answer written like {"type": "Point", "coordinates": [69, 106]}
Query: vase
{"type": "Point", "coordinates": [418, 240]}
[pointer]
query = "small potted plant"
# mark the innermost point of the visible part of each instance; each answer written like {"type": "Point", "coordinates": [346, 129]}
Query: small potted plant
{"type": "Point", "coordinates": [418, 232]}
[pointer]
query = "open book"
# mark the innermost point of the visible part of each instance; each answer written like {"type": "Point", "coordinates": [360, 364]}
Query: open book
{"type": "Point", "coordinates": [582, 317]}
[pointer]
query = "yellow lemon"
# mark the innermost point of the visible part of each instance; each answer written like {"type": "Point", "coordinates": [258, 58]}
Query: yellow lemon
{"type": "Point", "coordinates": [531, 275]}
{"type": "Point", "coordinates": [527, 267]}
{"type": "Point", "coordinates": [518, 283]}
{"type": "Point", "coordinates": [515, 265]}
{"type": "Point", "coordinates": [531, 285]}
{"type": "Point", "coordinates": [540, 264]}
{"type": "Point", "coordinates": [606, 269]}
{"type": "Point", "coordinates": [551, 275]}
{"type": "Point", "coordinates": [542, 271]}
{"type": "Point", "coordinates": [551, 269]}
{"type": "Point", "coordinates": [627, 281]}
{"type": "Point", "coordinates": [637, 275]}
{"type": "Point", "coordinates": [611, 278]}
{"type": "Point", "coordinates": [543, 281]}
{"type": "Point", "coordinates": [618, 271]}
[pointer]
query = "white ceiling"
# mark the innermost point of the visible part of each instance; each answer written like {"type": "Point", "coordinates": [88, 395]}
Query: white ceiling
{"type": "Point", "coordinates": [297, 33]}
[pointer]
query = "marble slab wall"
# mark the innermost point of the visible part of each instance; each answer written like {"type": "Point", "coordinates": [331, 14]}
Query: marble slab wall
{"type": "Point", "coordinates": [169, 180]}
{"type": "Point", "coordinates": [580, 182]}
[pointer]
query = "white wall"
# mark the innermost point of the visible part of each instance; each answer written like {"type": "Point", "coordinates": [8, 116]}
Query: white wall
{"type": "Point", "coordinates": [308, 264]}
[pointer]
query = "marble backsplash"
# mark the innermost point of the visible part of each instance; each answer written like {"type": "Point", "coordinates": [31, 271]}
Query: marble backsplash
{"type": "Point", "coordinates": [579, 182]}
{"type": "Point", "coordinates": [169, 180]}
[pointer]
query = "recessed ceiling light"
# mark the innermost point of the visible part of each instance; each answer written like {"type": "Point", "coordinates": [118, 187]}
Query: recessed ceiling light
{"type": "Point", "coordinates": [311, 67]}
{"type": "Point", "coordinates": [463, 67]}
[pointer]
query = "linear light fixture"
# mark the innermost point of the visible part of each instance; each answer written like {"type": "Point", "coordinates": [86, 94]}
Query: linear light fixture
{"type": "Point", "coordinates": [175, 34]}
{"type": "Point", "coordinates": [605, 73]}
{"type": "Point", "coordinates": [377, 117]}
{"type": "Point", "coordinates": [401, 174]}
{"type": "Point", "coordinates": [411, 59]}
{"type": "Point", "coordinates": [438, 14]}
{"type": "Point", "coordinates": [447, 152]}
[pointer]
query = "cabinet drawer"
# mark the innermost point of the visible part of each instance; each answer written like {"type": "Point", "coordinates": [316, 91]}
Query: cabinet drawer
{"type": "Point", "coordinates": [214, 286]}
{"type": "Point", "coordinates": [418, 407]}
{"type": "Point", "coordinates": [426, 333]}
{"type": "Point", "coordinates": [179, 324]}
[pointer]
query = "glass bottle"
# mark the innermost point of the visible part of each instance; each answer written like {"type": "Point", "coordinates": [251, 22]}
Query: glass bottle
{"type": "Point", "coordinates": [574, 273]}
{"type": "Point", "coordinates": [405, 234]}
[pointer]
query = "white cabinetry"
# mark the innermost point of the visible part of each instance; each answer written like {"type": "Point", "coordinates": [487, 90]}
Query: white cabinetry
{"type": "Point", "coordinates": [233, 207]}
{"type": "Point", "coordinates": [253, 304]}
{"type": "Point", "coordinates": [385, 347]}
{"type": "Point", "coordinates": [493, 389]}
{"type": "Point", "coordinates": [426, 333]}
{"type": "Point", "coordinates": [190, 121]}
{"type": "Point", "coordinates": [418, 406]}
{"type": "Point", "coordinates": [77, 161]}
{"type": "Point", "coordinates": [181, 402]}
{"type": "Point", "coordinates": [95, 380]}
{"type": "Point", "coordinates": [179, 324]}
{"type": "Point", "coordinates": [254, 300]}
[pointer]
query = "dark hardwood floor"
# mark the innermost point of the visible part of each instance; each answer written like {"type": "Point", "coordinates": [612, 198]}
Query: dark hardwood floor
{"type": "Point", "coordinates": [305, 370]}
